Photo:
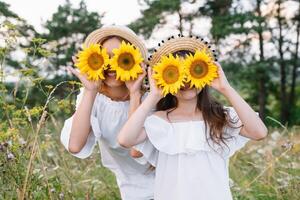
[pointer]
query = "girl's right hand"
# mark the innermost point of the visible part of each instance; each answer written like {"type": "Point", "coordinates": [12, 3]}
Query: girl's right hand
{"type": "Point", "coordinates": [154, 90]}
{"type": "Point", "coordinates": [87, 84]}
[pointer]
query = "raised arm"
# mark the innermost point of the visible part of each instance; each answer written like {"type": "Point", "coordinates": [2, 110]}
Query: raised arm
{"type": "Point", "coordinates": [81, 126]}
{"type": "Point", "coordinates": [134, 87]}
{"type": "Point", "coordinates": [253, 126]}
{"type": "Point", "coordinates": [132, 132]}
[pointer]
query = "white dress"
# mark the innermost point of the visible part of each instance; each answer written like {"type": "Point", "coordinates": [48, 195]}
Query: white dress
{"type": "Point", "coordinates": [187, 166]}
{"type": "Point", "coordinates": [135, 180]}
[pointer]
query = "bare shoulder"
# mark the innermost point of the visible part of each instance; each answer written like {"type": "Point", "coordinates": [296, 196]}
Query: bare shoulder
{"type": "Point", "coordinates": [162, 114]}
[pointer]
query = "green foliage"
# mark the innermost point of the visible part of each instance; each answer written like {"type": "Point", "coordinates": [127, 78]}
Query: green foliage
{"type": "Point", "coordinates": [66, 31]}
{"type": "Point", "coordinates": [5, 11]}
{"type": "Point", "coordinates": [153, 15]}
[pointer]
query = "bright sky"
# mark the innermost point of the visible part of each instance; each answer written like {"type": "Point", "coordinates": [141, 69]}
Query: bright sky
{"type": "Point", "coordinates": [36, 12]}
{"type": "Point", "coordinates": [119, 12]}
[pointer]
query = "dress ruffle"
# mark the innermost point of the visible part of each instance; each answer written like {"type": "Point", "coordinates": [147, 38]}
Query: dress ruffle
{"type": "Point", "coordinates": [190, 137]}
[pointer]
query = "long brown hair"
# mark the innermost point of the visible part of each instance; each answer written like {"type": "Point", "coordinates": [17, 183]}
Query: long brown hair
{"type": "Point", "coordinates": [215, 116]}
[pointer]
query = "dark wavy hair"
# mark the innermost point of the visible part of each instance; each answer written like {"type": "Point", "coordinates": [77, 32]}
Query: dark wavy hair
{"type": "Point", "coordinates": [215, 116]}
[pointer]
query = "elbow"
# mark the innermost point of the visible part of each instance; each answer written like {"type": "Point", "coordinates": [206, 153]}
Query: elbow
{"type": "Point", "coordinates": [123, 143]}
{"type": "Point", "coordinates": [261, 134]}
{"type": "Point", "coordinates": [74, 148]}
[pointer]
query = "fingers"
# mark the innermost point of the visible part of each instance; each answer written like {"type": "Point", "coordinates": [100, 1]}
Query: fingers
{"type": "Point", "coordinates": [144, 72]}
{"type": "Point", "coordinates": [74, 59]}
{"type": "Point", "coordinates": [143, 65]}
{"type": "Point", "coordinates": [73, 71]}
{"type": "Point", "coordinates": [141, 77]}
{"type": "Point", "coordinates": [76, 73]}
{"type": "Point", "coordinates": [149, 70]}
{"type": "Point", "coordinates": [144, 68]}
{"type": "Point", "coordinates": [220, 70]}
{"type": "Point", "coordinates": [218, 64]}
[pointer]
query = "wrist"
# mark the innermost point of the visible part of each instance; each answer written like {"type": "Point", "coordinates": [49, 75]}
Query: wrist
{"type": "Point", "coordinates": [154, 97]}
{"type": "Point", "coordinates": [226, 91]}
{"type": "Point", "coordinates": [135, 94]}
{"type": "Point", "coordinates": [91, 93]}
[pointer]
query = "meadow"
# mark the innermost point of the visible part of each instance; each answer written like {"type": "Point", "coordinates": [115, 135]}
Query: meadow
{"type": "Point", "coordinates": [35, 165]}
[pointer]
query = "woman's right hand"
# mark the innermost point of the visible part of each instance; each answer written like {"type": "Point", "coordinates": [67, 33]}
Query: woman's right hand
{"type": "Point", "coordinates": [154, 90]}
{"type": "Point", "coordinates": [87, 84]}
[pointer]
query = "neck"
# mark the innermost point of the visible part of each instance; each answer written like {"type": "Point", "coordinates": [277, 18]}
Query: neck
{"type": "Point", "coordinates": [187, 106]}
{"type": "Point", "coordinates": [118, 93]}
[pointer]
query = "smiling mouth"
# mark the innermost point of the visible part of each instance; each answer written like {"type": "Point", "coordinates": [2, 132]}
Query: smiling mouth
{"type": "Point", "coordinates": [185, 87]}
{"type": "Point", "coordinates": [110, 73]}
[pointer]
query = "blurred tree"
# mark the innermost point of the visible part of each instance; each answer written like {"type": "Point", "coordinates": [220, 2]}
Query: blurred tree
{"type": "Point", "coordinates": [23, 32]}
{"type": "Point", "coordinates": [285, 36]}
{"type": "Point", "coordinates": [228, 20]}
{"type": "Point", "coordinates": [237, 28]}
{"type": "Point", "coordinates": [283, 70]}
{"type": "Point", "coordinates": [156, 13]}
{"type": "Point", "coordinates": [66, 31]}
{"type": "Point", "coordinates": [153, 15]}
{"type": "Point", "coordinates": [262, 64]}
{"type": "Point", "coordinates": [292, 97]}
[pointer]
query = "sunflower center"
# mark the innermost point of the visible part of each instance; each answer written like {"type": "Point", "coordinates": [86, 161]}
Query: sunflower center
{"type": "Point", "coordinates": [95, 61]}
{"type": "Point", "coordinates": [126, 61]}
{"type": "Point", "coordinates": [170, 74]}
{"type": "Point", "coordinates": [199, 69]}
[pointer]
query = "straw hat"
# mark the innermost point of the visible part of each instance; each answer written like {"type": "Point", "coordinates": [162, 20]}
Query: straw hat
{"type": "Point", "coordinates": [99, 35]}
{"type": "Point", "coordinates": [172, 45]}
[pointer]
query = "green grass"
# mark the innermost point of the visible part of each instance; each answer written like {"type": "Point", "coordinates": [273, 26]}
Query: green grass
{"type": "Point", "coordinates": [268, 169]}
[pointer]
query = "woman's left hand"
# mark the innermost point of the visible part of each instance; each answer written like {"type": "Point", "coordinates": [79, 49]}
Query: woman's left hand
{"type": "Point", "coordinates": [134, 86]}
{"type": "Point", "coordinates": [220, 83]}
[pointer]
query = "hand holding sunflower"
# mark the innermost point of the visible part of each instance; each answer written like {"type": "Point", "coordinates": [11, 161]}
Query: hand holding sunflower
{"type": "Point", "coordinates": [155, 91]}
{"type": "Point", "coordinates": [126, 62]}
{"type": "Point", "coordinates": [200, 69]}
{"type": "Point", "coordinates": [221, 83]}
{"type": "Point", "coordinates": [169, 74]}
{"type": "Point", "coordinates": [92, 61]}
{"type": "Point", "coordinates": [134, 86]}
{"type": "Point", "coordinates": [87, 84]}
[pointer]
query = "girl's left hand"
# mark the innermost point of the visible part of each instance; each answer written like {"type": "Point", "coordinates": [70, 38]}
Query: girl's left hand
{"type": "Point", "coordinates": [220, 83]}
{"type": "Point", "coordinates": [134, 86]}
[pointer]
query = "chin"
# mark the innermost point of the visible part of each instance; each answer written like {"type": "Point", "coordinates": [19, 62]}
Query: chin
{"type": "Point", "coordinates": [187, 93]}
{"type": "Point", "coordinates": [112, 82]}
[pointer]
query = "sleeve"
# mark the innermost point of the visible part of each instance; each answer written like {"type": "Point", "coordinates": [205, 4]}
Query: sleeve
{"type": "Point", "coordinates": [150, 153]}
{"type": "Point", "coordinates": [235, 140]}
{"type": "Point", "coordinates": [87, 149]}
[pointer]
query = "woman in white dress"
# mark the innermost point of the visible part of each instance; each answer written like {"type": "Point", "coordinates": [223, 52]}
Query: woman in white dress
{"type": "Point", "coordinates": [190, 137]}
{"type": "Point", "coordinates": [102, 107]}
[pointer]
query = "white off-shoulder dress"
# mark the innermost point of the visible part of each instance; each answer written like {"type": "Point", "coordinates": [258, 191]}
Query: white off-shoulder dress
{"type": "Point", "coordinates": [188, 167]}
{"type": "Point", "coordinates": [135, 180]}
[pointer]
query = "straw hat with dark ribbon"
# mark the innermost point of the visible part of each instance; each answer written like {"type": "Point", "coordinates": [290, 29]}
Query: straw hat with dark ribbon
{"type": "Point", "coordinates": [99, 35]}
{"type": "Point", "coordinates": [175, 44]}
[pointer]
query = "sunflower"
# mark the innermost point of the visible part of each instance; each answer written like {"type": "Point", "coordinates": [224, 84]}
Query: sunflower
{"type": "Point", "coordinates": [200, 69]}
{"type": "Point", "coordinates": [169, 74]}
{"type": "Point", "coordinates": [92, 61]}
{"type": "Point", "coordinates": [126, 62]}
